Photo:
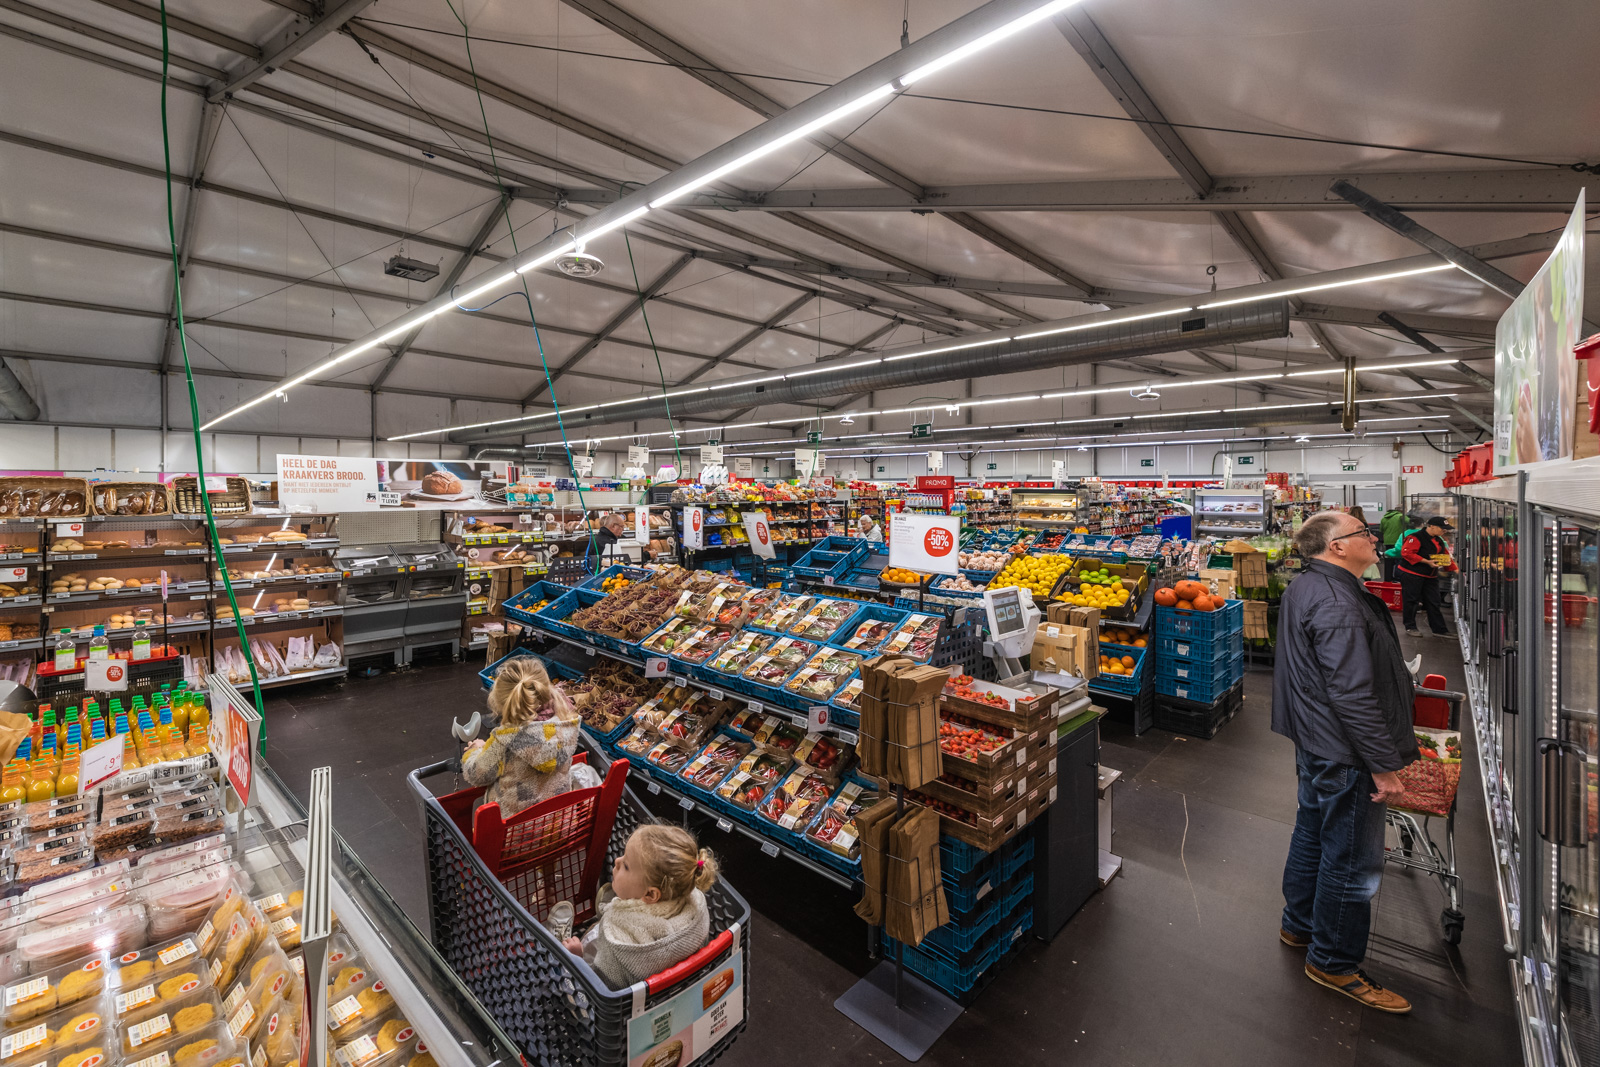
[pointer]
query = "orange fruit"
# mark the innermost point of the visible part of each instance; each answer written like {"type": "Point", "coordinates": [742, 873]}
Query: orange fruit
{"type": "Point", "coordinates": [1127, 661]}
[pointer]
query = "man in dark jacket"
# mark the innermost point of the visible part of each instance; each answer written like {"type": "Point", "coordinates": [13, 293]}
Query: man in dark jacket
{"type": "Point", "coordinates": [1341, 692]}
{"type": "Point", "coordinates": [1418, 570]}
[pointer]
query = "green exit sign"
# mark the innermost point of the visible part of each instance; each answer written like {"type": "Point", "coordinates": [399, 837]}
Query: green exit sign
{"type": "Point", "coordinates": [1147, 463]}
{"type": "Point", "coordinates": [922, 429]}
{"type": "Point", "coordinates": [1247, 461]}
{"type": "Point", "coordinates": [994, 466]}
{"type": "Point", "coordinates": [880, 470]}
{"type": "Point", "coordinates": [713, 441]}
{"type": "Point", "coordinates": [1348, 465]}
{"type": "Point", "coordinates": [813, 437]}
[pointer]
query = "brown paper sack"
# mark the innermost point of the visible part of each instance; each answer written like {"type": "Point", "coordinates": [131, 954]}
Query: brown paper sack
{"type": "Point", "coordinates": [872, 830]}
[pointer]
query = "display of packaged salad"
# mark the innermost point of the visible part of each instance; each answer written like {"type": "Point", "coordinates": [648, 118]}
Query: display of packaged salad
{"type": "Point", "coordinates": [778, 735]}
{"type": "Point", "coordinates": [667, 639]}
{"type": "Point", "coordinates": [916, 637]}
{"type": "Point", "coordinates": [823, 619]}
{"type": "Point", "coordinates": [741, 652]}
{"type": "Point", "coordinates": [850, 695]}
{"type": "Point", "coordinates": [703, 643]}
{"type": "Point", "coordinates": [869, 635]}
{"type": "Point", "coordinates": [783, 611]}
{"type": "Point", "coordinates": [824, 673]}
{"type": "Point", "coordinates": [835, 827]}
{"type": "Point", "coordinates": [713, 762]}
{"type": "Point", "coordinates": [779, 661]}
{"type": "Point", "coordinates": [787, 804]}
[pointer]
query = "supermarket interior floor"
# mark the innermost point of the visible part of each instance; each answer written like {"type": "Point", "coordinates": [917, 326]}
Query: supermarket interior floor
{"type": "Point", "coordinates": [1177, 960]}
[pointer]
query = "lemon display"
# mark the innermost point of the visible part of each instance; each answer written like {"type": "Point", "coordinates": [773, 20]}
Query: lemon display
{"type": "Point", "coordinates": [1037, 574]}
{"type": "Point", "coordinates": [1092, 594]}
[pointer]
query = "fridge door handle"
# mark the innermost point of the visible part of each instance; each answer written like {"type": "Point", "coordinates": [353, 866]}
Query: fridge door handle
{"type": "Point", "coordinates": [1563, 789]}
{"type": "Point", "coordinates": [1508, 681]}
{"type": "Point", "coordinates": [1496, 641]}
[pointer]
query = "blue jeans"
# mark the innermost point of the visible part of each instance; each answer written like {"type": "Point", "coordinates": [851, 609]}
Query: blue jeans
{"type": "Point", "coordinates": [1335, 862]}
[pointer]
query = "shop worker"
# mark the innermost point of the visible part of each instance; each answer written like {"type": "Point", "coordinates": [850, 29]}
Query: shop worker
{"type": "Point", "coordinates": [1424, 554]}
{"type": "Point", "coordinates": [1393, 526]}
{"type": "Point", "coordinates": [606, 538]}
{"type": "Point", "coordinates": [1341, 692]}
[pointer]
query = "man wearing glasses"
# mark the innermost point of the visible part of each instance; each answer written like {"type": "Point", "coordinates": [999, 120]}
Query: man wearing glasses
{"type": "Point", "coordinates": [1342, 693]}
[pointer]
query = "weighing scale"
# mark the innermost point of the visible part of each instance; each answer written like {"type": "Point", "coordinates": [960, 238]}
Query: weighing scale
{"type": "Point", "coordinates": [1013, 622]}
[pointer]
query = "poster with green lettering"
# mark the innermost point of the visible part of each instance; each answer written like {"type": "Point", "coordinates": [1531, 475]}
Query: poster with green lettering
{"type": "Point", "coordinates": [1535, 374]}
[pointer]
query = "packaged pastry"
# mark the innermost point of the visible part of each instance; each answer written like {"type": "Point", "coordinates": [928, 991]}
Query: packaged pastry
{"type": "Point", "coordinates": [85, 1023]}
{"type": "Point", "coordinates": [208, 1046]}
{"type": "Point", "coordinates": [392, 1041]}
{"type": "Point", "coordinates": [174, 986]}
{"type": "Point", "coordinates": [233, 943]}
{"type": "Point", "coordinates": [278, 1038]}
{"type": "Point", "coordinates": [361, 1007]}
{"type": "Point", "coordinates": [178, 1006]}
{"type": "Point", "coordinates": [44, 992]}
{"type": "Point", "coordinates": [267, 979]}
{"type": "Point", "coordinates": [823, 619]}
{"type": "Point", "coordinates": [159, 962]}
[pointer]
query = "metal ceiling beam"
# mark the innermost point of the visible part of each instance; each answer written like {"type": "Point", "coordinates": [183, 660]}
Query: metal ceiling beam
{"type": "Point", "coordinates": [14, 396]}
{"type": "Point", "coordinates": [187, 27]}
{"type": "Point", "coordinates": [629, 310]}
{"type": "Point", "coordinates": [1424, 343]}
{"type": "Point", "coordinates": [479, 239]}
{"type": "Point", "coordinates": [1543, 190]}
{"type": "Point", "coordinates": [728, 352]}
{"type": "Point", "coordinates": [1387, 216]}
{"type": "Point", "coordinates": [1016, 248]}
{"type": "Point", "coordinates": [299, 35]}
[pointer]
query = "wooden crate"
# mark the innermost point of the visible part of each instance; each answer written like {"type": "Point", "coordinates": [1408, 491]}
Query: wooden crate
{"type": "Point", "coordinates": [1032, 715]}
{"type": "Point", "coordinates": [22, 498]}
{"type": "Point", "coordinates": [988, 801]}
{"type": "Point", "coordinates": [1000, 829]}
{"type": "Point", "coordinates": [109, 495]}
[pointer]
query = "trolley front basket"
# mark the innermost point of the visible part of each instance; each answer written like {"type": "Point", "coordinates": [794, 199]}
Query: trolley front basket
{"type": "Point", "coordinates": [549, 1001]}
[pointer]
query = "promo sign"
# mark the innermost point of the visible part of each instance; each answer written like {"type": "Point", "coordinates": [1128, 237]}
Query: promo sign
{"type": "Point", "coordinates": [325, 484]}
{"type": "Point", "coordinates": [683, 1029]}
{"type": "Point", "coordinates": [641, 525]}
{"type": "Point", "coordinates": [105, 675]}
{"type": "Point", "coordinates": [101, 763]}
{"type": "Point", "coordinates": [925, 543]}
{"type": "Point", "coordinates": [755, 525]}
{"type": "Point", "coordinates": [582, 465]}
{"type": "Point", "coordinates": [235, 730]}
{"type": "Point", "coordinates": [694, 527]}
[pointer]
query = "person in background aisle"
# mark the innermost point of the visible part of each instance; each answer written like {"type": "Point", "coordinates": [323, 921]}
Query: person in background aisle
{"type": "Point", "coordinates": [1393, 526]}
{"type": "Point", "coordinates": [869, 528]}
{"type": "Point", "coordinates": [1424, 554]}
{"type": "Point", "coordinates": [1342, 693]}
{"type": "Point", "coordinates": [611, 530]}
{"type": "Point", "coordinates": [1361, 516]}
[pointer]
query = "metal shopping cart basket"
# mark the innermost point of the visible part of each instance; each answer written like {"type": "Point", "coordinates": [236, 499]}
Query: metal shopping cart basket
{"type": "Point", "coordinates": [487, 904]}
{"type": "Point", "coordinates": [1431, 787]}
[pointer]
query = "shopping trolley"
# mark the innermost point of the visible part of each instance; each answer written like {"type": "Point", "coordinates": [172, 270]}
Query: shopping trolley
{"type": "Point", "coordinates": [1431, 789]}
{"type": "Point", "coordinates": [491, 884]}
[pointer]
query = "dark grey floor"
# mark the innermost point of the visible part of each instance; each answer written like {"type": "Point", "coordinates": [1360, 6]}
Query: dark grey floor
{"type": "Point", "coordinates": [1177, 961]}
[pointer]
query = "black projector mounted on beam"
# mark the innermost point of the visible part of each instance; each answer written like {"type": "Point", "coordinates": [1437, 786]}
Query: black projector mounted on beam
{"type": "Point", "coordinates": [413, 270]}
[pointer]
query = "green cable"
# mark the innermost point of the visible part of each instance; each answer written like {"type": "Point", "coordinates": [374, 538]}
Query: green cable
{"type": "Point", "coordinates": [194, 404]}
{"type": "Point", "coordinates": [550, 384]}
{"type": "Point", "coordinates": [677, 454]}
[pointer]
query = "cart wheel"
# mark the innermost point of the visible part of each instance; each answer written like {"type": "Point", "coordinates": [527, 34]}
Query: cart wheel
{"type": "Point", "coordinates": [1407, 843]}
{"type": "Point", "coordinates": [1452, 921]}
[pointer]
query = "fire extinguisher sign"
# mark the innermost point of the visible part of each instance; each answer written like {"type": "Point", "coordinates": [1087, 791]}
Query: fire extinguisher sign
{"type": "Point", "coordinates": [926, 543]}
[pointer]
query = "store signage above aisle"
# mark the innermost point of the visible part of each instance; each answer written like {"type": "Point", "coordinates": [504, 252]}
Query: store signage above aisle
{"type": "Point", "coordinates": [744, 466]}
{"type": "Point", "coordinates": [710, 454]}
{"type": "Point", "coordinates": [925, 543]}
{"type": "Point", "coordinates": [638, 455]}
{"type": "Point", "coordinates": [322, 485]}
{"type": "Point", "coordinates": [807, 461]}
{"type": "Point", "coordinates": [694, 527]}
{"type": "Point", "coordinates": [936, 461]}
{"type": "Point", "coordinates": [760, 534]}
{"type": "Point", "coordinates": [1535, 374]}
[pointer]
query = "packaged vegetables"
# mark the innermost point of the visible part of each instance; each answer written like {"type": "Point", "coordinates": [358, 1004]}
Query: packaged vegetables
{"type": "Point", "coordinates": [823, 619]}
{"type": "Point", "coordinates": [779, 661]}
{"type": "Point", "coordinates": [824, 673]}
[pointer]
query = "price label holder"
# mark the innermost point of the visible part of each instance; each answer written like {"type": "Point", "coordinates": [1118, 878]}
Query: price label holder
{"type": "Point", "coordinates": [725, 826]}
{"type": "Point", "coordinates": [589, 649]}
{"type": "Point", "coordinates": [654, 789]}
{"type": "Point", "coordinates": [685, 803]}
{"type": "Point", "coordinates": [655, 667]}
{"type": "Point", "coordinates": [770, 849]}
{"type": "Point", "coordinates": [827, 579]}
{"type": "Point", "coordinates": [678, 679]}
{"type": "Point", "coordinates": [717, 694]}
{"type": "Point", "coordinates": [756, 706]}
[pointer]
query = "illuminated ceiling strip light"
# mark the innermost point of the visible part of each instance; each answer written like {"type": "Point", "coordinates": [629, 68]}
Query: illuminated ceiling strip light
{"type": "Point", "coordinates": [1105, 322]}
{"type": "Point", "coordinates": [1331, 285]}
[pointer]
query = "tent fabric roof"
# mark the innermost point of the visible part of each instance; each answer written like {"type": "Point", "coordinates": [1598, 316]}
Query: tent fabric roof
{"type": "Point", "coordinates": [992, 194]}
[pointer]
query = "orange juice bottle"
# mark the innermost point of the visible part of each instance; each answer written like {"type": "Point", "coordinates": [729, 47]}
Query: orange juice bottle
{"type": "Point", "coordinates": [198, 711]}
{"type": "Point", "coordinates": [67, 781]}
{"type": "Point", "coordinates": [41, 783]}
{"type": "Point", "coordinates": [13, 784]}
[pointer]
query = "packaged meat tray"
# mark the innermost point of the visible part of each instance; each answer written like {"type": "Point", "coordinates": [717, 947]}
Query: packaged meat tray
{"type": "Point", "coordinates": [159, 962]}
{"type": "Point", "coordinates": [713, 762]}
{"type": "Point", "coordinates": [153, 864]}
{"type": "Point", "coordinates": [62, 811]}
{"type": "Point", "coordinates": [779, 661]}
{"type": "Point", "coordinates": [182, 901]}
{"type": "Point", "coordinates": [84, 1024]}
{"type": "Point", "coordinates": [742, 651]}
{"type": "Point", "coordinates": [73, 883]}
{"type": "Point", "coordinates": [823, 619]}
{"type": "Point", "coordinates": [360, 1007]}
{"type": "Point", "coordinates": [823, 674]}
{"type": "Point", "coordinates": [114, 931]}
{"type": "Point", "coordinates": [179, 988]}
{"type": "Point", "coordinates": [46, 991]}
{"type": "Point", "coordinates": [208, 1046]}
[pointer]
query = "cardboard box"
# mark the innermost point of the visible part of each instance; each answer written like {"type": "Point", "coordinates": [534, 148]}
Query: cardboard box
{"type": "Point", "coordinates": [899, 737]}
{"type": "Point", "coordinates": [1255, 621]}
{"type": "Point", "coordinates": [1075, 649]}
{"type": "Point", "coordinates": [1252, 569]}
{"type": "Point", "coordinates": [1224, 581]}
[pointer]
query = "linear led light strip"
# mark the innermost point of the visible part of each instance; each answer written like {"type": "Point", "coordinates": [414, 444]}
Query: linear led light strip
{"type": "Point", "coordinates": [938, 50]}
{"type": "Point", "coordinates": [950, 405]}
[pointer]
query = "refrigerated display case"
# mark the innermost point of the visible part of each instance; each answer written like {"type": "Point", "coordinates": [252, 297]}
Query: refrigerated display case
{"type": "Point", "coordinates": [1046, 508]}
{"type": "Point", "coordinates": [1527, 611]}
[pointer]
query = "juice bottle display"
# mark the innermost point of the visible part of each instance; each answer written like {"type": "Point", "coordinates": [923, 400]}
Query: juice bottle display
{"type": "Point", "coordinates": [41, 784]}
{"type": "Point", "coordinates": [13, 783]}
{"type": "Point", "coordinates": [199, 712]}
{"type": "Point", "coordinates": [199, 741]}
{"type": "Point", "coordinates": [67, 780]}
{"type": "Point", "coordinates": [180, 714]}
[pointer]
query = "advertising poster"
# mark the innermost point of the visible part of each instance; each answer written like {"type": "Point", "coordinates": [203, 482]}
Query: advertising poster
{"type": "Point", "coordinates": [682, 1030]}
{"type": "Point", "coordinates": [694, 527]}
{"type": "Point", "coordinates": [755, 525]}
{"type": "Point", "coordinates": [320, 485]}
{"type": "Point", "coordinates": [925, 543]}
{"type": "Point", "coordinates": [1535, 373]}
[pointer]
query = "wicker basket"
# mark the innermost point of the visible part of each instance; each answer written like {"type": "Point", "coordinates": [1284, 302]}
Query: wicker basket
{"type": "Point", "coordinates": [110, 496]}
{"type": "Point", "coordinates": [186, 499]}
{"type": "Point", "coordinates": [27, 497]}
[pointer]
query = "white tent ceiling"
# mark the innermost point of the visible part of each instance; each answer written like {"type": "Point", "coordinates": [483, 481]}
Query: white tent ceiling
{"type": "Point", "coordinates": [992, 194]}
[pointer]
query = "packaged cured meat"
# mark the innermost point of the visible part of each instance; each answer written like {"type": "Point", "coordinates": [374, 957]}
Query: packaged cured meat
{"type": "Point", "coordinates": [114, 932]}
{"type": "Point", "coordinates": [71, 906]}
{"type": "Point", "coordinates": [62, 811]}
{"type": "Point", "coordinates": [176, 822]}
{"type": "Point", "coordinates": [71, 855]}
{"type": "Point", "coordinates": [72, 883]}
{"type": "Point", "coordinates": [182, 901]}
{"type": "Point", "coordinates": [149, 862]}
{"type": "Point", "coordinates": [85, 1023]}
{"type": "Point", "coordinates": [197, 859]}
{"type": "Point", "coordinates": [58, 987]}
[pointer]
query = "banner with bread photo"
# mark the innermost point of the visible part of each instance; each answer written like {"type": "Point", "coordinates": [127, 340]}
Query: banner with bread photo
{"type": "Point", "coordinates": [436, 479]}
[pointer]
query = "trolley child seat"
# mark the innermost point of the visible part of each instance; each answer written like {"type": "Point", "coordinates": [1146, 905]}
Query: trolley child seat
{"type": "Point", "coordinates": [492, 882]}
{"type": "Point", "coordinates": [1431, 786]}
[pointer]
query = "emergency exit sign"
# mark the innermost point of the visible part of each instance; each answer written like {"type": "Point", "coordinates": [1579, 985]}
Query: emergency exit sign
{"type": "Point", "coordinates": [1417, 469]}
{"type": "Point", "coordinates": [1147, 463]}
{"type": "Point", "coordinates": [1348, 465]}
{"type": "Point", "coordinates": [1244, 461]}
{"type": "Point", "coordinates": [994, 466]}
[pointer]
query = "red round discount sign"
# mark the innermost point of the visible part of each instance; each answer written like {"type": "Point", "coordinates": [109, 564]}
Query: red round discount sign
{"type": "Point", "coordinates": [761, 531]}
{"type": "Point", "coordinates": [696, 520]}
{"type": "Point", "coordinates": [114, 673]}
{"type": "Point", "coordinates": [938, 541]}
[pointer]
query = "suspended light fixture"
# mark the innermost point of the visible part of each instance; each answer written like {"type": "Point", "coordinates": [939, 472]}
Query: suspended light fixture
{"type": "Point", "coordinates": [579, 264]}
{"type": "Point", "coordinates": [1147, 393]}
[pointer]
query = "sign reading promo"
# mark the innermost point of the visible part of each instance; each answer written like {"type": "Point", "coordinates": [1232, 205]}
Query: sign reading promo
{"type": "Point", "coordinates": [760, 533]}
{"type": "Point", "coordinates": [925, 543]}
{"type": "Point", "coordinates": [324, 484]}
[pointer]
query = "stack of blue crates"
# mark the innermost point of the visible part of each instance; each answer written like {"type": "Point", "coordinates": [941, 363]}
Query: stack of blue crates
{"type": "Point", "coordinates": [990, 895]}
{"type": "Point", "coordinates": [1199, 667]}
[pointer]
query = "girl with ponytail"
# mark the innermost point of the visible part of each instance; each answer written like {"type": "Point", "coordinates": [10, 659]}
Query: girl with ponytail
{"type": "Point", "coordinates": [528, 756]}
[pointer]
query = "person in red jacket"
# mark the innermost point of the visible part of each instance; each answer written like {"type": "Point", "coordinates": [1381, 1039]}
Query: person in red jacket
{"type": "Point", "coordinates": [1424, 554]}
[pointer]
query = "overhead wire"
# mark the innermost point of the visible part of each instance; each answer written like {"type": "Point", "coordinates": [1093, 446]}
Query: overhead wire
{"type": "Point", "coordinates": [188, 376]}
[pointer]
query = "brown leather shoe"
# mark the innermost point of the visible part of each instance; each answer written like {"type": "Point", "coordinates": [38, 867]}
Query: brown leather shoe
{"type": "Point", "coordinates": [1363, 990]}
{"type": "Point", "coordinates": [1293, 940]}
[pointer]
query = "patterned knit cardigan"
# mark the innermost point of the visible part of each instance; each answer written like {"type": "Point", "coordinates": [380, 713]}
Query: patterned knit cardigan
{"type": "Point", "coordinates": [523, 765]}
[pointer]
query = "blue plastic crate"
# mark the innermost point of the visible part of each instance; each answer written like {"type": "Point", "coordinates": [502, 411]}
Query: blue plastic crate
{"type": "Point", "coordinates": [551, 667]}
{"type": "Point", "coordinates": [1021, 852]}
{"type": "Point", "coordinates": [1199, 691]}
{"type": "Point", "coordinates": [631, 573]}
{"type": "Point", "coordinates": [830, 557]}
{"type": "Point", "coordinates": [1125, 685]}
{"type": "Point", "coordinates": [959, 977]}
{"type": "Point", "coordinates": [552, 617]}
{"type": "Point", "coordinates": [1236, 669]}
{"type": "Point", "coordinates": [960, 937]}
{"type": "Point", "coordinates": [517, 608]}
{"type": "Point", "coordinates": [868, 613]}
{"type": "Point", "coordinates": [938, 586]}
{"type": "Point", "coordinates": [1218, 647]}
{"type": "Point", "coordinates": [957, 857]}
{"type": "Point", "coordinates": [1200, 671]}
{"type": "Point", "coordinates": [1200, 625]}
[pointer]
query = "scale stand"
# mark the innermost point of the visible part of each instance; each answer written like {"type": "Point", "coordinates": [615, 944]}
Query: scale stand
{"type": "Point", "coordinates": [898, 1009]}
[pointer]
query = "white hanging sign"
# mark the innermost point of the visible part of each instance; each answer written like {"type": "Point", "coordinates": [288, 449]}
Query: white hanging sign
{"type": "Point", "coordinates": [807, 461]}
{"type": "Point", "coordinates": [755, 525]}
{"type": "Point", "coordinates": [694, 527]}
{"type": "Point", "coordinates": [710, 455]}
{"type": "Point", "coordinates": [582, 465]}
{"type": "Point", "coordinates": [324, 484]}
{"type": "Point", "coordinates": [1058, 470]}
{"type": "Point", "coordinates": [638, 455]}
{"type": "Point", "coordinates": [925, 543]}
{"type": "Point", "coordinates": [744, 466]}
{"type": "Point", "coordinates": [936, 461]}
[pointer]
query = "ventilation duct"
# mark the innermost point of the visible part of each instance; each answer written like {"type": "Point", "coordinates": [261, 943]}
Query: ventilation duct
{"type": "Point", "coordinates": [1177, 332]}
{"type": "Point", "coordinates": [14, 398]}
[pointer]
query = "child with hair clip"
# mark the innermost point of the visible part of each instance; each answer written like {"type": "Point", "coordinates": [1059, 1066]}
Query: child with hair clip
{"type": "Point", "coordinates": [653, 914]}
{"type": "Point", "coordinates": [528, 755]}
